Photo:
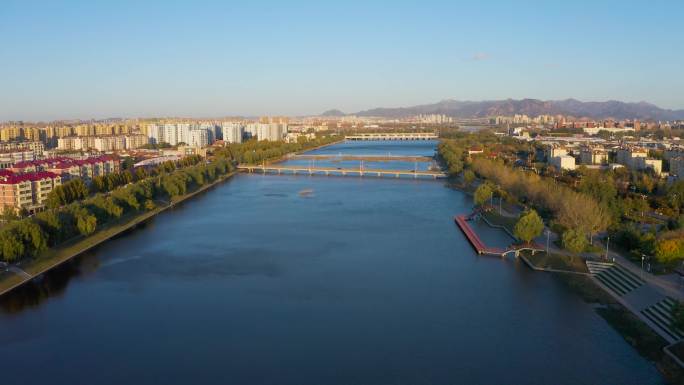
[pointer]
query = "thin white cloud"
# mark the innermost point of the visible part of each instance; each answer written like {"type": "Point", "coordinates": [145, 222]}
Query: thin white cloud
{"type": "Point", "coordinates": [480, 56]}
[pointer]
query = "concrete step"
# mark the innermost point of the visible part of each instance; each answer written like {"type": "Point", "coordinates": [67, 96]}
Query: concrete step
{"type": "Point", "coordinates": [661, 313]}
{"type": "Point", "coordinates": [608, 282]}
{"type": "Point", "coordinates": [663, 326]}
{"type": "Point", "coordinates": [629, 275]}
{"type": "Point", "coordinates": [616, 280]}
{"type": "Point", "coordinates": [597, 267]}
{"type": "Point", "coordinates": [615, 273]}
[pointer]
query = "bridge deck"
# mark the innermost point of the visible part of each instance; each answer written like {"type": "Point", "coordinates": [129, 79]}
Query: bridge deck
{"type": "Point", "coordinates": [370, 158]}
{"type": "Point", "coordinates": [340, 171]}
{"type": "Point", "coordinates": [394, 136]}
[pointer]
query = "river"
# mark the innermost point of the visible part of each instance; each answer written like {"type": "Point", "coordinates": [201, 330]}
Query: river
{"type": "Point", "coordinates": [269, 279]}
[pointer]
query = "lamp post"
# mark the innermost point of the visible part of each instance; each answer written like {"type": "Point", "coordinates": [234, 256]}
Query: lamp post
{"type": "Point", "coordinates": [607, 243]}
{"type": "Point", "coordinates": [548, 235]}
{"type": "Point", "coordinates": [643, 257]}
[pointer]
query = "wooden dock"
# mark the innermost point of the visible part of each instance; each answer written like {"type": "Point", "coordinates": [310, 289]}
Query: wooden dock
{"type": "Point", "coordinates": [479, 246]}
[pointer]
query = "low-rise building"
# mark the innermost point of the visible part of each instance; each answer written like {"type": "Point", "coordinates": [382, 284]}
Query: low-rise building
{"type": "Point", "coordinates": [8, 158]}
{"type": "Point", "coordinates": [26, 191]}
{"type": "Point", "coordinates": [589, 155]}
{"type": "Point", "coordinates": [68, 168]}
{"type": "Point", "coordinates": [626, 155]}
{"type": "Point", "coordinates": [640, 163]}
{"type": "Point", "coordinates": [677, 167]}
{"type": "Point", "coordinates": [564, 162]}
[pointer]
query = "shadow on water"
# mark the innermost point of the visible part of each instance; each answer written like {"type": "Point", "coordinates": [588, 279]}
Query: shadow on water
{"type": "Point", "coordinates": [55, 282]}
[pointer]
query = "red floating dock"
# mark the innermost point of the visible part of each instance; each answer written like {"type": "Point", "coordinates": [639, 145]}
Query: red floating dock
{"type": "Point", "coordinates": [474, 239]}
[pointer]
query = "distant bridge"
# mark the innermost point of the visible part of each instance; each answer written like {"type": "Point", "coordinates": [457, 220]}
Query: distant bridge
{"type": "Point", "coordinates": [293, 170]}
{"type": "Point", "coordinates": [394, 136]}
{"type": "Point", "coordinates": [367, 158]}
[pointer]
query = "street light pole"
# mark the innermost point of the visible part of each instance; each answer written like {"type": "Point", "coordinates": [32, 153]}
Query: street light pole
{"type": "Point", "coordinates": [548, 234]}
{"type": "Point", "coordinates": [607, 243]}
{"type": "Point", "coordinates": [642, 265]}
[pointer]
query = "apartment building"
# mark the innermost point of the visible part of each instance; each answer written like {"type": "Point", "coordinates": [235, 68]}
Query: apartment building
{"type": "Point", "coordinates": [105, 143]}
{"type": "Point", "coordinates": [198, 138]}
{"type": "Point", "coordinates": [68, 168]}
{"type": "Point", "coordinates": [36, 147]}
{"type": "Point", "coordinates": [26, 191]}
{"type": "Point", "coordinates": [677, 167]}
{"type": "Point", "coordinates": [563, 162]}
{"type": "Point", "coordinates": [232, 132]}
{"type": "Point", "coordinates": [589, 155]}
{"type": "Point", "coordinates": [626, 155]}
{"type": "Point", "coordinates": [109, 143]}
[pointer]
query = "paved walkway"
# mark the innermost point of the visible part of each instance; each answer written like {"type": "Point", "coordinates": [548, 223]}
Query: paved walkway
{"type": "Point", "coordinates": [16, 270]}
{"type": "Point", "coordinates": [670, 284]}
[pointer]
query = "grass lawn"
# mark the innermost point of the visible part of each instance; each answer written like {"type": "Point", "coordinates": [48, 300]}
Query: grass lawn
{"type": "Point", "coordinates": [556, 261]}
{"type": "Point", "coordinates": [500, 220]}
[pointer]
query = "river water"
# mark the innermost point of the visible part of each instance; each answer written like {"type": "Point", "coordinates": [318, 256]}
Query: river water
{"type": "Point", "coordinates": [271, 279]}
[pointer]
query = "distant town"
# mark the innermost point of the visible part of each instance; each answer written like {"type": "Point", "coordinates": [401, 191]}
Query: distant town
{"type": "Point", "coordinates": [37, 157]}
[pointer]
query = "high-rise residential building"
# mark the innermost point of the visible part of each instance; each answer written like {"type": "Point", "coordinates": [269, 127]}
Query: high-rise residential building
{"type": "Point", "coordinates": [271, 131]}
{"type": "Point", "coordinates": [155, 133]}
{"type": "Point", "coordinates": [198, 137]}
{"type": "Point", "coordinates": [170, 134]}
{"type": "Point", "coordinates": [134, 141]}
{"type": "Point", "coordinates": [232, 132]}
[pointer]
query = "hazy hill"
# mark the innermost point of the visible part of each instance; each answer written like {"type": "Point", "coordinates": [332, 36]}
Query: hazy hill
{"type": "Point", "coordinates": [532, 107]}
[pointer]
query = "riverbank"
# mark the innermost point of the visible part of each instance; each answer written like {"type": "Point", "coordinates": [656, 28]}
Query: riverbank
{"type": "Point", "coordinates": [58, 255]}
{"type": "Point", "coordinates": [574, 273]}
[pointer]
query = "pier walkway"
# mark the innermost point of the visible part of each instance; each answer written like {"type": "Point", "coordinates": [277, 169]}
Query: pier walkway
{"type": "Point", "coordinates": [475, 240]}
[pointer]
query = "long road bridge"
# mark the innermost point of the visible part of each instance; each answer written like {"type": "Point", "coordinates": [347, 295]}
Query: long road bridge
{"type": "Point", "coordinates": [293, 170]}
{"type": "Point", "coordinates": [367, 158]}
{"type": "Point", "coordinates": [394, 136]}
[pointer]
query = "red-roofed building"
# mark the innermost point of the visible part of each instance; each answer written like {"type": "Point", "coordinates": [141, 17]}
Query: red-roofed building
{"type": "Point", "coordinates": [26, 191]}
{"type": "Point", "coordinates": [69, 168]}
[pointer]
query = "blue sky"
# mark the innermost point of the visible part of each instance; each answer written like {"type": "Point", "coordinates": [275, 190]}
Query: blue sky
{"type": "Point", "coordinates": [94, 59]}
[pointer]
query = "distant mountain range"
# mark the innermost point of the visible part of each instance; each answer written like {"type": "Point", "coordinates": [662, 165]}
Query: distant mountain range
{"type": "Point", "coordinates": [531, 107]}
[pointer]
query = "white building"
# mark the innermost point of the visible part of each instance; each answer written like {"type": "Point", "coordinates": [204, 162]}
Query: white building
{"type": "Point", "coordinates": [232, 132]}
{"type": "Point", "coordinates": [563, 162]}
{"type": "Point", "coordinates": [271, 131]}
{"type": "Point", "coordinates": [198, 137]}
{"type": "Point", "coordinates": [155, 133]}
{"type": "Point", "coordinates": [642, 163]}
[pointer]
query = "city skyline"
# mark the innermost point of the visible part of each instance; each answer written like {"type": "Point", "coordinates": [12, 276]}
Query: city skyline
{"type": "Point", "coordinates": [77, 60]}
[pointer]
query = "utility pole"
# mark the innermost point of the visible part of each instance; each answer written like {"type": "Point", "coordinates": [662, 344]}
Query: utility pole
{"type": "Point", "coordinates": [500, 204]}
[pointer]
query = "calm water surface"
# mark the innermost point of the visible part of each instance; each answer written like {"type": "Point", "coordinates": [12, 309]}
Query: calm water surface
{"type": "Point", "coordinates": [363, 281]}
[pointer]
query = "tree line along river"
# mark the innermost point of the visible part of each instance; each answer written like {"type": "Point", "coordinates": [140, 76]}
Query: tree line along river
{"type": "Point", "coordinates": [271, 279]}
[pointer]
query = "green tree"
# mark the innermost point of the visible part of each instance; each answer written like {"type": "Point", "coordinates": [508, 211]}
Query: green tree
{"type": "Point", "coordinates": [483, 194]}
{"type": "Point", "coordinates": [669, 250]}
{"type": "Point", "coordinates": [574, 241]}
{"type": "Point", "coordinates": [678, 316]}
{"type": "Point", "coordinates": [468, 177]}
{"type": "Point", "coordinates": [11, 247]}
{"type": "Point", "coordinates": [529, 226]}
